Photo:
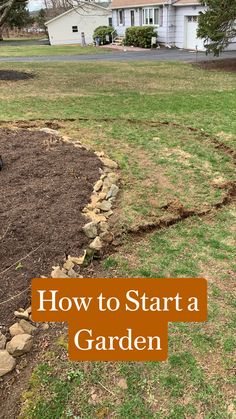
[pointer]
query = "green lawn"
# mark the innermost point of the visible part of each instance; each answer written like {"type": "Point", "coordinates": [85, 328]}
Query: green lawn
{"type": "Point", "coordinates": [40, 50]}
{"type": "Point", "coordinates": [124, 108]}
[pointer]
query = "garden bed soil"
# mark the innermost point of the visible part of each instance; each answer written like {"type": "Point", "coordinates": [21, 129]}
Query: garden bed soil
{"type": "Point", "coordinates": [44, 185]}
{"type": "Point", "coordinates": [15, 75]}
{"type": "Point", "coordinates": [227, 64]}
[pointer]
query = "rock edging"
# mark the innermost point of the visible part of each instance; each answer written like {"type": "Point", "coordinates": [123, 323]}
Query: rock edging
{"type": "Point", "coordinates": [97, 212]}
{"type": "Point", "coordinates": [21, 342]}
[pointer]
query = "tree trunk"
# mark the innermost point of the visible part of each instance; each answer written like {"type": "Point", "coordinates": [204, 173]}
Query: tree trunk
{"type": "Point", "coordinates": [1, 36]}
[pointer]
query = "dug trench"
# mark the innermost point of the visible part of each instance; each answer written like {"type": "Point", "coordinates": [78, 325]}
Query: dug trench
{"type": "Point", "coordinates": [44, 185]}
{"type": "Point", "coordinates": [175, 213]}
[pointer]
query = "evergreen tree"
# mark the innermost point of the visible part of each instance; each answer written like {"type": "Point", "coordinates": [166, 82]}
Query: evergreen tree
{"type": "Point", "coordinates": [41, 18]}
{"type": "Point", "coordinates": [217, 25]}
{"type": "Point", "coordinates": [19, 16]}
{"type": "Point", "coordinates": [13, 13]}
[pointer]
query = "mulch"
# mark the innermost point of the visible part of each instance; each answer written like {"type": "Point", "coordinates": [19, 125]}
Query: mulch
{"type": "Point", "coordinates": [15, 75]}
{"type": "Point", "coordinates": [227, 64]}
{"type": "Point", "coordinates": [44, 185]}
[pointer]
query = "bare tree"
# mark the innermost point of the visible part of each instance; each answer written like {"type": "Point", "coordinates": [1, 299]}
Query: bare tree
{"type": "Point", "coordinates": [55, 7]}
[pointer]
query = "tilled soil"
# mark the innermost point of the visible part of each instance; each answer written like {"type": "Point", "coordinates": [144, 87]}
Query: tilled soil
{"type": "Point", "coordinates": [44, 185]}
{"type": "Point", "coordinates": [227, 64]}
{"type": "Point", "coordinates": [15, 75]}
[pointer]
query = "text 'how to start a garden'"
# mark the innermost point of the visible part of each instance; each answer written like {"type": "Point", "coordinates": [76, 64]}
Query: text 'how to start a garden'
{"type": "Point", "coordinates": [119, 319]}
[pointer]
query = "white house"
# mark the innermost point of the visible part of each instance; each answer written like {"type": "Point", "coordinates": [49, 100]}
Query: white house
{"type": "Point", "coordinates": [68, 27]}
{"type": "Point", "coordinates": [176, 21]}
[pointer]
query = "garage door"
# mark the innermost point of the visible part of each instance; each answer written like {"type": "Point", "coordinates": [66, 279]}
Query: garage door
{"type": "Point", "coordinates": [191, 34]}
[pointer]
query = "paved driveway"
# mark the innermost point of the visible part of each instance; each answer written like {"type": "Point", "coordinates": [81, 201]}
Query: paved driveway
{"type": "Point", "coordinates": [158, 55]}
{"type": "Point", "coordinates": [23, 42]}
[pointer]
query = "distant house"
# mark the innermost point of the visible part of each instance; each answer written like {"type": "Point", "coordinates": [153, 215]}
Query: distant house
{"type": "Point", "coordinates": [176, 21]}
{"type": "Point", "coordinates": [84, 18]}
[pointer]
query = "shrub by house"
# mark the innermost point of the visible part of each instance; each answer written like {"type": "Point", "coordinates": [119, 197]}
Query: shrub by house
{"type": "Point", "coordinates": [103, 32]}
{"type": "Point", "coordinates": [140, 36]}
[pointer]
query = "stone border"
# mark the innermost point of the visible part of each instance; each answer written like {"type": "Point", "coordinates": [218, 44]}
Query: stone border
{"type": "Point", "coordinates": [21, 342]}
{"type": "Point", "coordinates": [97, 213]}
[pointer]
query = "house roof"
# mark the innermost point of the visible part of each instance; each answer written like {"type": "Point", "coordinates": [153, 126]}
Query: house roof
{"type": "Point", "coordinates": [81, 3]}
{"type": "Point", "coordinates": [187, 3]}
{"type": "Point", "coordinates": [122, 4]}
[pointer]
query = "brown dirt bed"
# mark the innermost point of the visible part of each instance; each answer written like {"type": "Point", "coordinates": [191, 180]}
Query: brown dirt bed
{"type": "Point", "coordinates": [44, 185]}
{"type": "Point", "coordinates": [228, 64]}
{"type": "Point", "coordinates": [15, 75]}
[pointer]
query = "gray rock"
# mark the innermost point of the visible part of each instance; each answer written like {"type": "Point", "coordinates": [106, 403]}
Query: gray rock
{"type": "Point", "coordinates": [20, 344]}
{"type": "Point", "coordinates": [3, 340]}
{"type": "Point", "coordinates": [44, 326]}
{"type": "Point", "coordinates": [27, 327]}
{"type": "Point", "coordinates": [108, 213]}
{"type": "Point", "coordinates": [16, 329]}
{"type": "Point", "coordinates": [104, 205]}
{"type": "Point", "coordinates": [112, 192]}
{"type": "Point", "coordinates": [109, 163]}
{"type": "Point", "coordinates": [113, 177]}
{"type": "Point", "coordinates": [72, 273]}
{"type": "Point", "coordinates": [107, 237]}
{"type": "Point", "coordinates": [107, 170]}
{"type": "Point", "coordinates": [90, 230]}
{"type": "Point", "coordinates": [101, 196]}
{"type": "Point", "coordinates": [68, 264]}
{"type": "Point", "coordinates": [96, 244]}
{"type": "Point", "coordinates": [49, 131]}
{"type": "Point", "coordinates": [107, 182]}
{"type": "Point", "coordinates": [58, 273]}
{"type": "Point", "coordinates": [29, 309]}
{"type": "Point", "coordinates": [7, 363]}
{"type": "Point", "coordinates": [100, 153]}
{"type": "Point", "coordinates": [104, 227]}
{"type": "Point", "coordinates": [21, 314]}
{"type": "Point", "coordinates": [98, 185]}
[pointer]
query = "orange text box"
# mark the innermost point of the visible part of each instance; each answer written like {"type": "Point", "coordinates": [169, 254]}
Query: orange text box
{"type": "Point", "coordinates": [115, 319]}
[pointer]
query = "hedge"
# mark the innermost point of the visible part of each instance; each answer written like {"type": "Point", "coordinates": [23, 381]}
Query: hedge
{"type": "Point", "coordinates": [140, 36]}
{"type": "Point", "coordinates": [101, 32]}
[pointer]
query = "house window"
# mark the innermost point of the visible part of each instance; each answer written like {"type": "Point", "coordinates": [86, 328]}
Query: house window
{"type": "Point", "coordinates": [74, 28]}
{"type": "Point", "coordinates": [192, 18]}
{"type": "Point", "coordinates": [121, 19]}
{"type": "Point", "coordinates": [132, 19]}
{"type": "Point", "coordinates": [110, 21]}
{"type": "Point", "coordinates": [151, 16]}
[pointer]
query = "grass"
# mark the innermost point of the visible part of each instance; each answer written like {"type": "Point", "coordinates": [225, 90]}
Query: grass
{"type": "Point", "coordinates": [173, 91]}
{"type": "Point", "coordinates": [158, 164]}
{"type": "Point", "coordinates": [47, 50]}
